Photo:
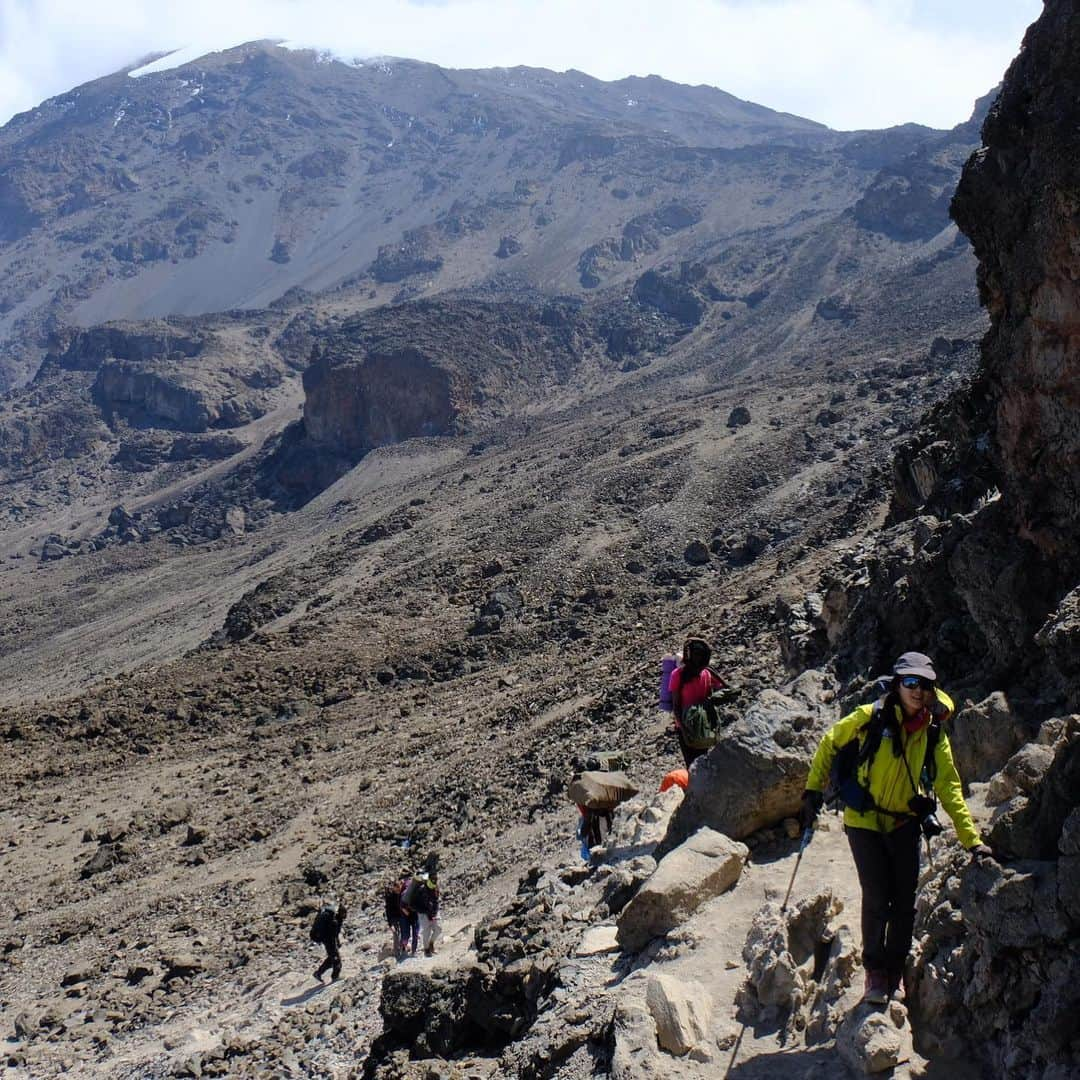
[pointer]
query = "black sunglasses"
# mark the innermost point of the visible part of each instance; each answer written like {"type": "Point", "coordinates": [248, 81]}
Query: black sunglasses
{"type": "Point", "coordinates": [914, 682]}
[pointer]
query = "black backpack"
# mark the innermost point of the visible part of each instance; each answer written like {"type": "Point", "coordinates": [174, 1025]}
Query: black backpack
{"type": "Point", "coordinates": [324, 927]}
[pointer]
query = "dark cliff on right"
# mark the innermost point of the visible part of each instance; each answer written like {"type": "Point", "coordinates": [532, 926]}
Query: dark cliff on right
{"type": "Point", "coordinates": [984, 548]}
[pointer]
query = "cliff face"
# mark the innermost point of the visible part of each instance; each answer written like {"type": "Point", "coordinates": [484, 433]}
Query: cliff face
{"type": "Point", "coordinates": [161, 374]}
{"type": "Point", "coordinates": [1019, 202]}
{"type": "Point", "coordinates": [435, 368]}
{"type": "Point", "coordinates": [998, 966]}
{"type": "Point", "coordinates": [355, 407]}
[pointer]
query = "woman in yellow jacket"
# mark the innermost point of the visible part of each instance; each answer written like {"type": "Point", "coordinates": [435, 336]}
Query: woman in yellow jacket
{"type": "Point", "coordinates": [886, 807]}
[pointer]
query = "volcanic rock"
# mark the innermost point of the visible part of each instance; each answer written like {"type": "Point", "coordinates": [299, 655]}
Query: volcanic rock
{"type": "Point", "coordinates": [755, 775]}
{"type": "Point", "coordinates": [702, 867]}
{"type": "Point", "coordinates": [874, 1041]}
{"type": "Point", "coordinates": [681, 1011]}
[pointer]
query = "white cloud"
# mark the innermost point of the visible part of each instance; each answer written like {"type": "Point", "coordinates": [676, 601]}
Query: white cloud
{"type": "Point", "coordinates": [849, 63]}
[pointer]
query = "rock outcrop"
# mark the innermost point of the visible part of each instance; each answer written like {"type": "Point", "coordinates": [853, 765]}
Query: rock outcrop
{"type": "Point", "coordinates": [755, 775]}
{"type": "Point", "coordinates": [986, 519]}
{"type": "Point", "coordinates": [704, 866]}
{"type": "Point", "coordinates": [1017, 203]}
{"type": "Point", "coordinates": [800, 965]}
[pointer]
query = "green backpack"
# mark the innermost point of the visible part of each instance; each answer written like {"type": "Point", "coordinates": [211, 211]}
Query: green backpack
{"type": "Point", "coordinates": [701, 725]}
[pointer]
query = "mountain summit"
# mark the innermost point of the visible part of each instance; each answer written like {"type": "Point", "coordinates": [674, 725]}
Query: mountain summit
{"type": "Point", "coordinates": [227, 181]}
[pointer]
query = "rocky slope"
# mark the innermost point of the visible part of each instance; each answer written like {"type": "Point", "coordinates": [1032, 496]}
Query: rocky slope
{"type": "Point", "coordinates": [228, 182]}
{"type": "Point", "coordinates": [994, 975]}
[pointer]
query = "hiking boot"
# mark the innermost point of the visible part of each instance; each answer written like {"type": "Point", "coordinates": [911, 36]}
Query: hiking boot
{"type": "Point", "coordinates": [897, 990]}
{"type": "Point", "coordinates": [429, 950]}
{"type": "Point", "coordinates": [336, 974]}
{"type": "Point", "coordinates": [319, 974]}
{"type": "Point", "coordinates": [877, 988]}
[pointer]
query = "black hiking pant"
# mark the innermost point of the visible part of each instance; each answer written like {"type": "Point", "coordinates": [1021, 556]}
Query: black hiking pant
{"type": "Point", "coordinates": [689, 753]}
{"type": "Point", "coordinates": [888, 868]}
{"type": "Point", "coordinates": [332, 962]}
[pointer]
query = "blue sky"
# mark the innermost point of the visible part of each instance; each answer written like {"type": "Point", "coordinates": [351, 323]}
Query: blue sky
{"type": "Point", "coordinates": [847, 63]}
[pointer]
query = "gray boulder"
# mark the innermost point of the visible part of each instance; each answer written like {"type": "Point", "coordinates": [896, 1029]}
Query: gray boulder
{"type": "Point", "coordinates": [705, 866]}
{"type": "Point", "coordinates": [755, 776]}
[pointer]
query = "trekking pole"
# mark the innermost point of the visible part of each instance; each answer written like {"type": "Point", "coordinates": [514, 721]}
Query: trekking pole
{"type": "Point", "coordinates": [807, 833]}
{"type": "Point", "coordinates": [735, 1051]}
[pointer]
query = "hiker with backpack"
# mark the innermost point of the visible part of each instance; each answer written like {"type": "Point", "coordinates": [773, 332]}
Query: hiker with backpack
{"type": "Point", "coordinates": [697, 721]}
{"type": "Point", "coordinates": [888, 763]}
{"type": "Point", "coordinates": [392, 903]}
{"type": "Point", "coordinates": [326, 931]}
{"type": "Point", "coordinates": [426, 903]}
{"type": "Point", "coordinates": [410, 918]}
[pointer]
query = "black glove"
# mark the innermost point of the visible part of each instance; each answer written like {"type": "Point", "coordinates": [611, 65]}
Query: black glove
{"type": "Point", "coordinates": [812, 801]}
{"type": "Point", "coordinates": [982, 851]}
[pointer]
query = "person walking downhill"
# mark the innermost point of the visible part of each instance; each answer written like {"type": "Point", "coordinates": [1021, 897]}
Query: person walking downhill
{"type": "Point", "coordinates": [692, 684]}
{"type": "Point", "coordinates": [392, 903]}
{"type": "Point", "coordinates": [326, 931]}
{"type": "Point", "coordinates": [887, 761]}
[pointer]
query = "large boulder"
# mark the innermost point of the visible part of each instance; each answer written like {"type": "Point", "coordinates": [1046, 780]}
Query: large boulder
{"type": "Point", "coordinates": [755, 776]}
{"type": "Point", "coordinates": [705, 866]}
{"type": "Point", "coordinates": [875, 1041]}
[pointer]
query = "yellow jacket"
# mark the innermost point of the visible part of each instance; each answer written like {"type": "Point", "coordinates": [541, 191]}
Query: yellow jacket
{"type": "Point", "coordinates": [887, 778]}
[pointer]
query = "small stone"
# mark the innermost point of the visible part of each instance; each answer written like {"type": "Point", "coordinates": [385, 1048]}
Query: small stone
{"type": "Point", "coordinates": [681, 1011]}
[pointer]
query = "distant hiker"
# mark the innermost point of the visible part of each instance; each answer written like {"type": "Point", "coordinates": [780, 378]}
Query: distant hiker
{"type": "Point", "coordinates": [410, 920]}
{"type": "Point", "coordinates": [887, 762]}
{"type": "Point", "coordinates": [692, 687]}
{"type": "Point", "coordinates": [326, 931]}
{"type": "Point", "coordinates": [680, 777]}
{"type": "Point", "coordinates": [596, 793]}
{"type": "Point", "coordinates": [426, 904]}
{"type": "Point", "coordinates": [590, 832]}
{"type": "Point", "coordinates": [392, 902]}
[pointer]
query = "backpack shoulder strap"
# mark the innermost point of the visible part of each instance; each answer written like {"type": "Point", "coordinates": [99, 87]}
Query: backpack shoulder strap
{"type": "Point", "coordinates": [874, 728]}
{"type": "Point", "coordinates": [933, 734]}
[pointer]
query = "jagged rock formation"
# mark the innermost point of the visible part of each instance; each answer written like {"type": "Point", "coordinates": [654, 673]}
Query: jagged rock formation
{"type": "Point", "coordinates": [998, 967]}
{"type": "Point", "coordinates": [1023, 235]}
{"type": "Point", "coordinates": [427, 368]}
